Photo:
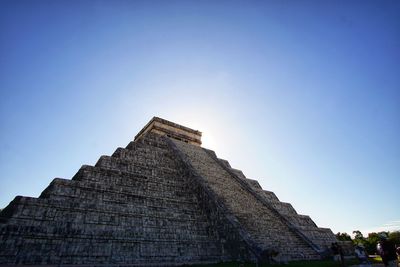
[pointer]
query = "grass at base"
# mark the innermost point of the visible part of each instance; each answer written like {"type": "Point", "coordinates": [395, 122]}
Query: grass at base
{"type": "Point", "coordinates": [321, 263]}
{"type": "Point", "coordinates": [377, 259]}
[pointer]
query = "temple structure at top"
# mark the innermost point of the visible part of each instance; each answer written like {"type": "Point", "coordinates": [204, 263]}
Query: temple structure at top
{"type": "Point", "coordinates": [172, 130]}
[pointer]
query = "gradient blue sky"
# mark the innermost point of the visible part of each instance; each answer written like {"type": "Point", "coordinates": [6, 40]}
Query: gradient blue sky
{"type": "Point", "coordinates": [303, 96]}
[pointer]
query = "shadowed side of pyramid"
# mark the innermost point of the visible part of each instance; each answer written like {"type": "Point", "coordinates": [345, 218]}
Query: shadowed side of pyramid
{"type": "Point", "coordinates": [271, 224]}
{"type": "Point", "coordinates": [162, 200]}
{"type": "Point", "coordinates": [322, 238]}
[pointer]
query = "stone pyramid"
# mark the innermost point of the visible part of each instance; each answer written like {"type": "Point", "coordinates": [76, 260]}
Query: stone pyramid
{"type": "Point", "coordinates": [162, 200]}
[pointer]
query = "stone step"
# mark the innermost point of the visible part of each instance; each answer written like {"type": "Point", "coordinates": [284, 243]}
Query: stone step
{"type": "Point", "coordinates": [154, 140]}
{"type": "Point", "coordinates": [225, 162]}
{"type": "Point", "coordinates": [112, 191]}
{"type": "Point", "coordinates": [284, 208]}
{"type": "Point", "coordinates": [107, 176]}
{"type": "Point", "coordinates": [270, 196]}
{"type": "Point", "coordinates": [113, 163]}
{"type": "Point", "coordinates": [163, 158]}
{"type": "Point", "coordinates": [76, 209]}
{"type": "Point", "coordinates": [86, 251]}
{"type": "Point", "coordinates": [173, 232]}
{"type": "Point", "coordinates": [254, 184]}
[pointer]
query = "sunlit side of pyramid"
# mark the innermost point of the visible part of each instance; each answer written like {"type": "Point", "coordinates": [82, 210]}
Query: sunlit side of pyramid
{"type": "Point", "coordinates": [162, 200]}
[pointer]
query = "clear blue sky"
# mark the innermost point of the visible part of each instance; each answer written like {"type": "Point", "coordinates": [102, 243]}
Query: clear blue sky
{"type": "Point", "coordinates": [303, 96]}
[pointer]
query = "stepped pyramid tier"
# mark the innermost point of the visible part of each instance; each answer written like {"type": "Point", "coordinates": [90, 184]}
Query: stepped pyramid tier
{"type": "Point", "coordinates": [162, 200]}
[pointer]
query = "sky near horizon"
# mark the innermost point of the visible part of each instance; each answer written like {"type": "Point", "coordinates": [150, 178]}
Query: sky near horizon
{"type": "Point", "coordinates": [303, 96]}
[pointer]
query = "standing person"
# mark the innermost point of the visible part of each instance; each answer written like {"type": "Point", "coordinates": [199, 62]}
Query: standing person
{"type": "Point", "coordinates": [398, 253]}
{"type": "Point", "coordinates": [361, 254]}
{"type": "Point", "coordinates": [387, 250]}
{"type": "Point", "coordinates": [341, 253]}
{"type": "Point", "coordinates": [335, 251]}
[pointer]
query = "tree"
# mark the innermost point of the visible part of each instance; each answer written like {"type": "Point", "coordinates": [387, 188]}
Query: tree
{"type": "Point", "coordinates": [358, 237]}
{"type": "Point", "coordinates": [395, 237]}
{"type": "Point", "coordinates": [370, 243]}
{"type": "Point", "coordinates": [343, 236]}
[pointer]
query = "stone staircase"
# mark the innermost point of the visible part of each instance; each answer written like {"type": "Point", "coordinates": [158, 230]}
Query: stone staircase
{"type": "Point", "coordinates": [267, 224]}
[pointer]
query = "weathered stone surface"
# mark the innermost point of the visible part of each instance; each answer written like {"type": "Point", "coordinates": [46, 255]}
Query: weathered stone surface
{"type": "Point", "coordinates": [263, 223]}
{"type": "Point", "coordinates": [170, 129]}
{"type": "Point", "coordinates": [162, 200]}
